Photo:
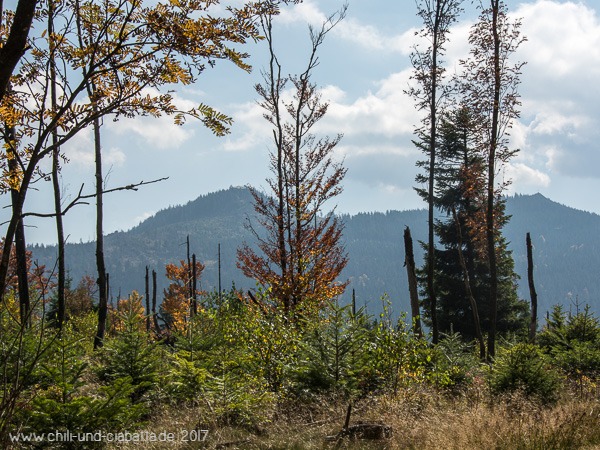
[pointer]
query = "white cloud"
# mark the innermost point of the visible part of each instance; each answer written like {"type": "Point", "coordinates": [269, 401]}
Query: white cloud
{"type": "Point", "coordinates": [80, 148]}
{"type": "Point", "coordinates": [305, 12]}
{"type": "Point", "coordinates": [525, 178]}
{"type": "Point", "coordinates": [333, 94]}
{"type": "Point", "coordinates": [559, 128]}
{"type": "Point", "coordinates": [85, 157]}
{"type": "Point", "coordinates": [383, 148]}
{"type": "Point", "coordinates": [160, 133]}
{"type": "Point", "coordinates": [145, 215]}
{"type": "Point", "coordinates": [114, 157]}
{"type": "Point", "coordinates": [550, 121]}
{"type": "Point", "coordinates": [250, 129]}
{"type": "Point", "coordinates": [350, 29]}
{"type": "Point", "coordinates": [564, 38]}
{"type": "Point", "coordinates": [369, 37]}
{"type": "Point", "coordinates": [388, 112]}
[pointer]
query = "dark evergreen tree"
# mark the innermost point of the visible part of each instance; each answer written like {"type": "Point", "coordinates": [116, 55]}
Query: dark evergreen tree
{"type": "Point", "coordinates": [460, 198]}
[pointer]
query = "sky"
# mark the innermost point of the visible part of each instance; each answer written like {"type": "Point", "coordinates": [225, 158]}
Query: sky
{"type": "Point", "coordinates": [364, 72]}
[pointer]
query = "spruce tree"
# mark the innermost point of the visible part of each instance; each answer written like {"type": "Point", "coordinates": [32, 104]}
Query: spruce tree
{"type": "Point", "coordinates": [460, 197]}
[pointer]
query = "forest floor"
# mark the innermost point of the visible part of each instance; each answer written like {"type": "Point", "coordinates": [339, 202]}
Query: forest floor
{"type": "Point", "coordinates": [419, 418]}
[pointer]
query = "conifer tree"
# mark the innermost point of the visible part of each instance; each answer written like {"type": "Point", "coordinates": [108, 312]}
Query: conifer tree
{"type": "Point", "coordinates": [461, 197]}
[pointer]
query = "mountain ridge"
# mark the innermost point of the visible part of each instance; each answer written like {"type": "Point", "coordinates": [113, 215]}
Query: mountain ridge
{"type": "Point", "coordinates": [566, 248]}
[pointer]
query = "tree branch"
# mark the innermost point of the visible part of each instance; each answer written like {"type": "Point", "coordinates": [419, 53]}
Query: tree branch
{"type": "Point", "coordinates": [78, 200]}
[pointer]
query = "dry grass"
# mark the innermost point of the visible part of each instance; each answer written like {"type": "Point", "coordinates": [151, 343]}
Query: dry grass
{"type": "Point", "coordinates": [421, 419]}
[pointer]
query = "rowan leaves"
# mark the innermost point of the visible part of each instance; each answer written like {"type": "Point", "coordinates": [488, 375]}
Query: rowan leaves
{"type": "Point", "coordinates": [129, 50]}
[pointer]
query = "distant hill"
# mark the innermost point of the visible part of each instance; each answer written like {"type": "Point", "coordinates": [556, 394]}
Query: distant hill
{"type": "Point", "coordinates": [567, 250]}
{"type": "Point", "coordinates": [566, 244]}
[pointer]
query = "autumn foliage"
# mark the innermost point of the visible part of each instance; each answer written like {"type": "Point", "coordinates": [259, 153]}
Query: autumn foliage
{"type": "Point", "coordinates": [36, 275]}
{"type": "Point", "coordinates": [301, 254]}
{"type": "Point", "coordinates": [177, 305]}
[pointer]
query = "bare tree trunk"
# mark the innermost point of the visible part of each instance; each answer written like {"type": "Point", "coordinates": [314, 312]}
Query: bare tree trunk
{"type": "Point", "coordinates": [532, 292]}
{"type": "Point", "coordinates": [22, 272]}
{"type": "Point", "coordinates": [219, 270]}
{"type": "Point", "coordinates": [154, 316]}
{"type": "Point", "coordinates": [189, 274]}
{"type": "Point", "coordinates": [100, 264]}
{"type": "Point", "coordinates": [275, 84]}
{"type": "Point", "coordinates": [437, 16]}
{"type": "Point", "coordinates": [147, 286]}
{"type": "Point", "coordinates": [431, 182]}
{"type": "Point", "coordinates": [60, 238]}
{"type": "Point", "coordinates": [194, 286]}
{"type": "Point", "coordinates": [409, 263]}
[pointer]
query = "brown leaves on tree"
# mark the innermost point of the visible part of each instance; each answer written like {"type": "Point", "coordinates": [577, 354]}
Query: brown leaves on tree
{"type": "Point", "coordinates": [177, 297]}
{"type": "Point", "coordinates": [300, 254]}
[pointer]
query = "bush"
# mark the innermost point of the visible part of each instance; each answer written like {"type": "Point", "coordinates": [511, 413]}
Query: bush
{"type": "Point", "coordinates": [68, 398]}
{"type": "Point", "coordinates": [215, 363]}
{"type": "Point", "coordinates": [131, 354]}
{"type": "Point", "coordinates": [525, 368]}
{"type": "Point", "coordinates": [455, 362]}
{"type": "Point", "coordinates": [396, 357]}
{"type": "Point", "coordinates": [332, 354]}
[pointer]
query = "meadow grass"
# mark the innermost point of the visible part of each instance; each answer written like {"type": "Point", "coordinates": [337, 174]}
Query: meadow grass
{"type": "Point", "coordinates": [420, 417]}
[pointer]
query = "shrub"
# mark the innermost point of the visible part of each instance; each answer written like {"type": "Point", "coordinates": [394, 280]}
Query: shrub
{"type": "Point", "coordinates": [524, 367]}
{"type": "Point", "coordinates": [332, 354]}
{"type": "Point", "coordinates": [218, 361]}
{"type": "Point", "coordinates": [67, 397]}
{"type": "Point", "coordinates": [131, 353]}
{"type": "Point", "coordinates": [396, 356]}
{"type": "Point", "coordinates": [455, 362]}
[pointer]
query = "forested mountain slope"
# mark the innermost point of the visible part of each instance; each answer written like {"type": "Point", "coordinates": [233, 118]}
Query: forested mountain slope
{"type": "Point", "coordinates": [566, 254]}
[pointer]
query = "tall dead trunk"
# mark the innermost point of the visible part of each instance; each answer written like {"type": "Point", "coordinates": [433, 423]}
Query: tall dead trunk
{"type": "Point", "coordinates": [194, 287]}
{"type": "Point", "coordinates": [100, 263]}
{"type": "Point", "coordinates": [437, 16]}
{"type": "Point", "coordinates": [189, 281]}
{"type": "Point", "coordinates": [154, 316]}
{"type": "Point", "coordinates": [60, 238]}
{"type": "Point", "coordinates": [532, 292]}
{"type": "Point", "coordinates": [409, 263]}
{"type": "Point", "coordinates": [22, 272]}
{"type": "Point", "coordinates": [431, 182]}
{"type": "Point", "coordinates": [147, 286]}
{"type": "Point", "coordinates": [219, 273]}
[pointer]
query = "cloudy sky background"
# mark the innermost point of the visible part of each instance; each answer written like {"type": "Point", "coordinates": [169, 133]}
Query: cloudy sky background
{"type": "Point", "coordinates": [364, 70]}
